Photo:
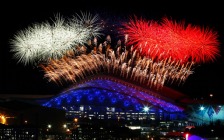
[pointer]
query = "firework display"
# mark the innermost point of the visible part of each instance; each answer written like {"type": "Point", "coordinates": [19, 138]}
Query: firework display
{"type": "Point", "coordinates": [151, 53]}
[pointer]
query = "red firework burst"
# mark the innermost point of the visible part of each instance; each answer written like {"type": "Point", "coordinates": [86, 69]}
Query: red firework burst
{"type": "Point", "coordinates": [171, 39]}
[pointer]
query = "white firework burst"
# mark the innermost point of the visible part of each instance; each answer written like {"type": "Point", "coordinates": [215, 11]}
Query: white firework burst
{"type": "Point", "coordinates": [45, 41]}
{"type": "Point", "coordinates": [88, 22]}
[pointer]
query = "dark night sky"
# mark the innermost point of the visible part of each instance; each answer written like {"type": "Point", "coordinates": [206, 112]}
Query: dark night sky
{"type": "Point", "coordinates": [15, 78]}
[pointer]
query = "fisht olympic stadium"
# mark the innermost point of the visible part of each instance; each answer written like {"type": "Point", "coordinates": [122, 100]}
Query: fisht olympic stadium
{"type": "Point", "coordinates": [110, 97]}
{"type": "Point", "coordinates": [112, 92]}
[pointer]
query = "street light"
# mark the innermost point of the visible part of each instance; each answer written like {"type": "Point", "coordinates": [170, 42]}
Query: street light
{"type": "Point", "coordinates": [64, 126]}
{"type": "Point", "coordinates": [75, 122]}
{"type": "Point", "coordinates": [187, 136]}
{"type": "Point", "coordinates": [146, 109]}
{"type": "Point", "coordinates": [202, 108]}
{"type": "Point", "coordinates": [211, 95]}
{"type": "Point", "coordinates": [49, 127]}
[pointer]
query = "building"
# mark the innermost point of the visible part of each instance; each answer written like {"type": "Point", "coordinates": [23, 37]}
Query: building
{"type": "Point", "coordinates": [25, 120]}
{"type": "Point", "coordinates": [100, 106]}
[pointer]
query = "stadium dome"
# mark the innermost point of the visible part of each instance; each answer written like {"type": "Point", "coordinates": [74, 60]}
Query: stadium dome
{"type": "Point", "coordinates": [110, 92]}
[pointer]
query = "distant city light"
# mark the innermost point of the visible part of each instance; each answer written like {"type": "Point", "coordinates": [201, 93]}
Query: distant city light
{"type": "Point", "coordinates": [187, 135]}
{"type": "Point", "coordinates": [211, 95]}
{"type": "Point", "coordinates": [64, 126]}
{"type": "Point", "coordinates": [2, 119]}
{"type": "Point", "coordinates": [49, 125]}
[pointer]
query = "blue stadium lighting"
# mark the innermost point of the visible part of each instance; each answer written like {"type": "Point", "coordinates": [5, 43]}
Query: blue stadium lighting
{"type": "Point", "coordinates": [107, 92]}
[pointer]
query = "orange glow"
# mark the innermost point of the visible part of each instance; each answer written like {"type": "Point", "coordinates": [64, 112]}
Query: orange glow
{"type": "Point", "coordinates": [75, 120]}
{"type": "Point", "coordinates": [2, 119]}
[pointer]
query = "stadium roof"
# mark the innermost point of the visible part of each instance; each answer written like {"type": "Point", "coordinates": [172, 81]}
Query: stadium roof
{"type": "Point", "coordinates": [165, 98]}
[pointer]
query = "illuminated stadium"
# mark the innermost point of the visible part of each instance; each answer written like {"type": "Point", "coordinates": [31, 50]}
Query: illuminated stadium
{"type": "Point", "coordinates": [105, 94]}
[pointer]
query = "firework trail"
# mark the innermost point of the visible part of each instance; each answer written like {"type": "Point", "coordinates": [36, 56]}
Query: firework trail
{"type": "Point", "coordinates": [125, 65]}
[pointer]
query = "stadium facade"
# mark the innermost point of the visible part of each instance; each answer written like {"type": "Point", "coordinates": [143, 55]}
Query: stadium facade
{"type": "Point", "coordinates": [107, 97]}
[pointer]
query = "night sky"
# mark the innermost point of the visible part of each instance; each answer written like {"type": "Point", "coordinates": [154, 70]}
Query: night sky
{"type": "Point", "coordinates": [15, 78]}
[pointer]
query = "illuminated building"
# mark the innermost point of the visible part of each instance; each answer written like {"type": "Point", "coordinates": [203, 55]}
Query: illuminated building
{"type": "Point", "coordinates": [94, 104]}
{"type": "Point", "coordinates": [25, 120]}
{"type": "Point", "coordinates": [105, 97]}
